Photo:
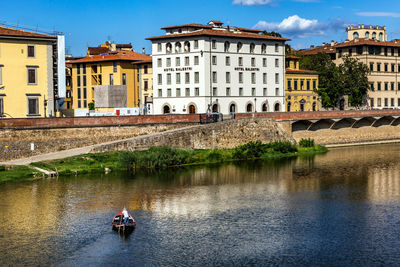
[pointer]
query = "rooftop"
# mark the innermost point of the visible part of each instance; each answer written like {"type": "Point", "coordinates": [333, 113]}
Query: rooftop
{"type": "Point", "coordinates": [6, 31]}
{"type": "Point", "coordinates": [115, 56]}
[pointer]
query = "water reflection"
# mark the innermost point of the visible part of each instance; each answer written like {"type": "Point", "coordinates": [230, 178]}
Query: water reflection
{"type": "Point", "coordinates": [280, 211]}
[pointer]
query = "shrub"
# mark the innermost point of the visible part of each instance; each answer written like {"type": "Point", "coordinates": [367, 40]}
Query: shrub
{"type": "Point", "coordinates": [250, 150]}
{"type": "Point", "coordinates": [2, 168]}
{"type": "Point", "coordinates": [214, 156]}
{"type": "Point", "coordinates": [282, 147]}
{"type": "Point", "coordinates": [306, 142]}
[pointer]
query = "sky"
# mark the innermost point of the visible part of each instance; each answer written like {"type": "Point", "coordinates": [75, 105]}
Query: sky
{"type": "Point", "coordinates": [92, 22]}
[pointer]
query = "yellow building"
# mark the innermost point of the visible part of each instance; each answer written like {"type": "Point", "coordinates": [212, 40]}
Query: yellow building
{"type": "Point", "coordinates": [300, 87]}
{"type": "Point", "coordinates": [145, 78]}
{"type": "Point", "coordinates": [28, 73]}
{"type": "Point", "coordinates": [112, 68]}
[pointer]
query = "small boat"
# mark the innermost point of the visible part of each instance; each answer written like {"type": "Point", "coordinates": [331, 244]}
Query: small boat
{"type": "Point", "coordinates": [123, 222]}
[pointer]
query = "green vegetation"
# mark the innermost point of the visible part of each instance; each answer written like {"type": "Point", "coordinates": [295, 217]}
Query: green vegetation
{"type": "Point", "coordinates": [306, 142]}
{"type": "Point", "coordinates": [161, 158]}
{"type": "Point", "coordinates": [349, 78]}
{"type": "Point", "coordinates": [14, 173]}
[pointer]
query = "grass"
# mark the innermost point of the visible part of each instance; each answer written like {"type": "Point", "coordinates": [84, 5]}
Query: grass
{"type": "Point", "coordinates": [160, 158]}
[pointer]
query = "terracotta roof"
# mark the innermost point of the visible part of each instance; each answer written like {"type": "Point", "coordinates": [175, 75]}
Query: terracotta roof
{"type": "Point", "coordinates": [294, 71]}
{"type": "Point", "coordinates": [193, 25]}
{"type": "Point", "coordinates": [123, 45]}
{"type": "Point", "coordinates": [292, 57]}
{"type": "Point", "coordinates": [216, 22]}
{"type": "Point", "coordinates": [327, 48]}
{"type": "Point", "coordinates": [114, 56]}
{"type": "Point", "coordinates": [97, 50]}
{"type": "Point", "coordinates": [246, 29]}
{"type": "Point", "coordinates": [362, 41]}
{"type": "Point", "coordinates": [225, 33]}
{"type": "Point", "coordinates": [5, 31]}
{"type": "Point", "coordinates": [150, 60]}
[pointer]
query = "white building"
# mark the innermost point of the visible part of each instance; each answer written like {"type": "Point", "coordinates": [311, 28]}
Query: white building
{"type": "Point", "coordinates": [225, 69]}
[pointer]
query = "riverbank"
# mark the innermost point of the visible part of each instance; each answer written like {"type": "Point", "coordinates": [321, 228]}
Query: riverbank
{"type": "Point", "coordinates": [158, 158]}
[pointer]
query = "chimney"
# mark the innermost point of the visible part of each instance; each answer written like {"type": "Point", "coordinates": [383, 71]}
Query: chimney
{"type": "Point", "coordinates": [143, 51]}
{"type": "Point", "coordinates": [332, 43]}
{"type": "Point", "coordinates": [311, 46]}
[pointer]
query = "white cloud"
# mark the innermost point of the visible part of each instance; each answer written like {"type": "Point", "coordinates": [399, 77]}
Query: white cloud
{"type": "Point", "coordinates": [294, 26]}
{"type": "Point", "coordinates": [252, 2]}
{"type": "Point", "coordinates": [379, 14]}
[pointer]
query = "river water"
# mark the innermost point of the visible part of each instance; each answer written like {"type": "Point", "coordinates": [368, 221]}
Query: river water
{"type": "Point", "coordinates": [341, 208]}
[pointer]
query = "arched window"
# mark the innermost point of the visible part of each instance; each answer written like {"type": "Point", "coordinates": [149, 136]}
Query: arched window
{"type": "Point", "coordinates": [314, 106]}
{"type": "Point", "coordinates": [178, 47]}
{"type": "Point", "coordinates": [374, 35]}
{"type": "Point", "coordinates": [215, 108]}
{"type": "Point", "coordinates": [264, 107]}
{"type": "Point", "coordinates": [277, 107]}
{"type": "Point", "coordinates": [249, 107]}
{"type": "Point", "coordinates": [302, 105]}
{"type": "Point", "coordinates": [263, 48]}
{"type": "Point", "coordinates": [226, 46]}
{"type": "Point", "coordinates": [288, 106]}
{"type": "Point", "coordinates": [192, 109]}
{"type": "Point", "coordinates": [169, 48]}
{"type": "Point", "coordinates": [380, 37]}
{"type": "Point", "coordinates": [166, 109]}
{"type": "Point", "coordinates": [232, 108]}
{"type": "Point", "coordinates": [252, 47]}
{"type": "Point", "coordinates": [239, 47]}
{"type": "Point", "coordinates": [367, 35]}
{"type": "Point", "coordinates": [187, 46]}
{"type": "Point", "coordinates": [355, 35]}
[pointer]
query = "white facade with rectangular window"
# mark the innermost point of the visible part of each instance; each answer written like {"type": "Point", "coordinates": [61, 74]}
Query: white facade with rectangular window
{"type": "Point", "coordinates": [224, 73]}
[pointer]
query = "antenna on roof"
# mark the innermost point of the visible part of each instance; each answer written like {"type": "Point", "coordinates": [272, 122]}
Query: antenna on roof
{"type": "Point", "coordinates": [29, 28]}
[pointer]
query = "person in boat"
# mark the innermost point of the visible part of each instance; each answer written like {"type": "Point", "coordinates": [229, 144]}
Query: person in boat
{"type": "Point", "coordinates": [126, 216]}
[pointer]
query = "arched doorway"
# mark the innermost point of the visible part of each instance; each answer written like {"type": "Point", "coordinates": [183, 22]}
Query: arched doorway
{"type": "Point", "coordinates": [302, 104]}
{"type": "Point", "coordinates": [215, 108]}
{"type": "Point", "coordinates": [249, 108]}
{"type": "Point", "coordinates": [264, 107]}
{"type": "Point", "coordinates": [314, 106]}
{"type": "Point", "coordinates": [192, 109]}
{"type": "Point", "coordinates": [277, 107]}
{"type": "Point", "coordinates": [289, 105]}
{"type": "Point", "coordinates": [166, 109]}
{"type": "Point", "coordinates": [232, 108]}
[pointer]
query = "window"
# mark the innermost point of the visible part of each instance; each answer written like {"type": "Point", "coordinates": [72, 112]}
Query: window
{"type": "Point", "coordinates": [239, 47]}
{"type": "Point", "coordinates": [78, 81]}
{"type": "Point", "coordinates": [187, 92]}
{"type": "Point", "coordinates": [79, 104]}
{"type": "Point", "coordinates": [240, 61]}
{"type": "Point", "coordinates": [214, 91]}
{"type": "Point", "coordinates": [159, 92]}
{"type": "Point", "coordinates": [314, 84]}
{"type": "Point", "coordinates": [289, 84]}
{"type": "Point", "coordinates": [359, 50]}
{"type": "Point", "coordinates": [393, 70]}
{"type": "Point", "coordinates": [159, 63]}
{"type": "Point", "coordinates": [386, 86]}
{"type": "Point", "coordinates": [1, 75]}
{"type": "Point", "coordinates": [169, 92]}
{"type": "Point", "coordinates": [386, 102]}
{"type": "Point", "coordinates": [214, 44]}
{"type": "Point", "coordinates": [295, 84]}
{"type": "Point", "coordinates": [276, 91]}
{"type": "Point", "coordinates": [228, 77]}
{"type": "Point", "coordinates": [83, 68]}
{"type": "Point", "coordinates": [187, 77]}
{"type": "Point", "coordinates": [186, 61]}
{"type": "Point", "coordinates": [32, 76]}
{"type": "Point", "coordinates": [227, 61]}
{"type": "Point", "coordinates": [253, 77]}
{"type": "Point", "coordinates": [1, 107]}
{"type": "Point", "coordinates": [385, 51]}
{"type": "Point", "coordinates": [264, 78]}
{"type": "Point", "coordinates": [186, 46]}
{"type": "Point", "coordinates": [398, 88]}
{"type": "Point", "coordinates": [379, 86]}
{"type": "Point", "coordinates": [378, 67]}
{"type": "Point", "coordinates": [178, 47]}
{"type": "Point", "coordinates": [178, 61]}
{"type": "Point", "coordinates": [392, 86]}
{"type": "Point", "coordinates": [214, 60]}
{"type": "Point", "coordinates": [196, 44]}
{"type": "Point", "coordinates": [178, 78]}
{"type": "Point", "coordinates": [240, 77]}
{"type": "Point", "coordinates": [31, 51]}
{"type": "Point", "coordinates": [386, 67]}
{"type": "Point", "coordinates": [146, 85]}
{"type": "Point", "coordinates": [240, 91]}
{"type": "Point", "coordinates": [226, 46]}
{"type": "Point", "coordinates": [301, 84]}
{"type": "Point", "coordinates": [371, 66]}
{"type": "Point", "coordinates": [379, 102]}
{"type": "Point", "coordinates": [196, 77]}
{"type": "Point", "coordinates": [84, 93]}
{"type": "Point", "coordinates": [263, 48]}
{"type": "Point", "coordinates": [392, 52]}
{"type": "Point", "coordinates": [350, 52]}
{"type": "Point", "coordinates": [196, 91]}
{"type": "Point", "coordinates": [159, 47]}
{"type": "Point", "coordinates": [123, 79]}
{"type": "Point", "coordinates": [252, 47]}
{"type": "Point", "coordinates": [253, 91]}
{"type": "Point", "coordinates": [178, 91]}
{"type": "Point", "coordinates": [398, 102]}
{"type": "Point", "coordinates": [264, 62]}
{"type": "Point", "coordinates": [168, 78]}
{"type": "Point", "coordinates": [84, 80]}
{"type": "Point", "coordinates": [78, 69]}
{"type": "Point", "coordinates": [111, 79]}
{"type": "Point", "coordinates": [168, 62]}
{"type": "Point", "coordinates": [168, 48]}
{"type": "Point", "coordinates": [196, 60]}
{"type": "Point", "coordinates": [308, 85]}
{"type": "Point", "coordinates": [79, 93]}
{"type": "Point", "coordinates": [85, 103]}
{"type": "Point", "coordinates": [214, 76]}
{"type": "Point", "coordinates": [371, 85]}
{"type": "Point", "coordinates": [372, 102]}
{"type": "Point", "coordinates": [264, 91]}
{"type": "Point", "coordinates": [228, 91]}
{"type": "Point", "coordinates": [277, 78]}
{"type": "Point", "coordinates": [392, 102]}
{"type": "Point", "coordinates": [33, 106]}
{"type": "Point", "coordinates": [276, 62]}
{"type": "Point", "coordinates": [339, 53]}
{"type": "Point", "coordinates": [276, 47]}
{"type": "Point", "coordinates": [253, 62]}
{"type": "Point", "coordinates": [115, 65]}
{"type": "Point", "coordinates": [159, 78]}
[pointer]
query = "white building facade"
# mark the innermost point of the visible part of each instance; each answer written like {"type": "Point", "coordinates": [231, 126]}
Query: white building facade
{"type": "Point", "coordinates": [199, 68]}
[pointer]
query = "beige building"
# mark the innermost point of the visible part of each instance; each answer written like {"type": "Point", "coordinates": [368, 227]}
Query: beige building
{"type": "Point", "coordinates": [381, 56]}
{"type": "Point", "coordinates": [144, 72]}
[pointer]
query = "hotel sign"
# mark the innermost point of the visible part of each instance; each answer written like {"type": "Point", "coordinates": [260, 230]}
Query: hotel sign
{"type": "Point", "coordinates": [246, 69]}
{"type": "Point", "coordinates": [177, 69]}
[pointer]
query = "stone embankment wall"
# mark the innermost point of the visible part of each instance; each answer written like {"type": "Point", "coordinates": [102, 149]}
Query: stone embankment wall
{"type": "Point", "coordinates": [17, 143]}
{"type": "Point", "coordinates": [226, 134]}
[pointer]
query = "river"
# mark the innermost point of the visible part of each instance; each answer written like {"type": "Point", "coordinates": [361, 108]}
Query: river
{"type": "Point", "coordinates": [340, 208]}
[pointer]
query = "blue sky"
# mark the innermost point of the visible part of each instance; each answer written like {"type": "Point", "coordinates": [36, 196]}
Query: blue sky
{"type": "Point", "coordinates": [91, 22]}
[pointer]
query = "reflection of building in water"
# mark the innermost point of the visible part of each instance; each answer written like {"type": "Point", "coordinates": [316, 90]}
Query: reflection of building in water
{"type": "Point", "coordinates": [384, 183]}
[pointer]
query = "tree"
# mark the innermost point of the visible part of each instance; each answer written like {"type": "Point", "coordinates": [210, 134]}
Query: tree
{"type": "Point", "coordinates": [349, 78]}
